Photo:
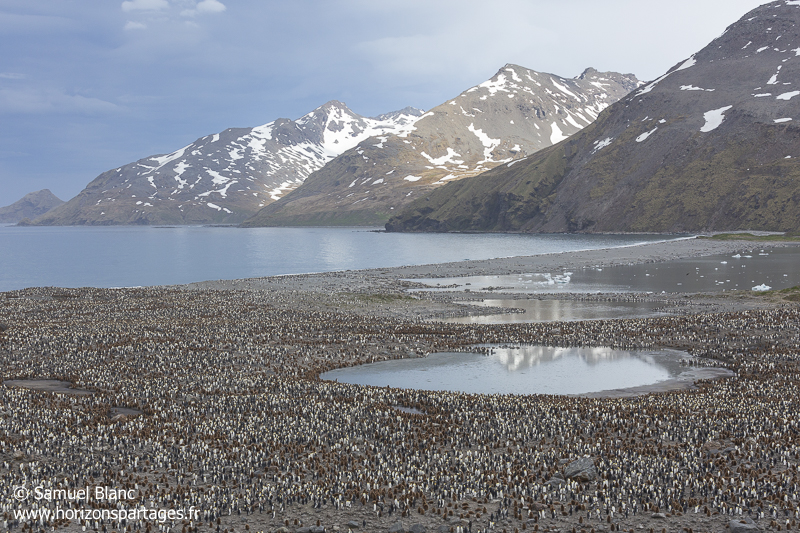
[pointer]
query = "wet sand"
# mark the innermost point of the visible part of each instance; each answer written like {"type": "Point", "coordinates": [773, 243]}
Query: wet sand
{"type": "Point", "coordinates": [684, 381]}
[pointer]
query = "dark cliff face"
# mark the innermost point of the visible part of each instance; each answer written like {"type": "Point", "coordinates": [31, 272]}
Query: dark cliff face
{"type": "Point", "coordinates": [30, 206]}
{"type": "Point", "coordinates": [512, 115]}
{"type": "Point", "coordinates": [711, 145]}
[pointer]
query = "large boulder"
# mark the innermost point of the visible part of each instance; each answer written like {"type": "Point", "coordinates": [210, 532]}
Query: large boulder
{"type": "Point", "coordinates": [743, 525]}
{"type": "Point", "coordinates": [417, 528]}
{"type": "Point", "coordinates": [582, 469]}
{"type": "Point", "coordinates": [397, 527]}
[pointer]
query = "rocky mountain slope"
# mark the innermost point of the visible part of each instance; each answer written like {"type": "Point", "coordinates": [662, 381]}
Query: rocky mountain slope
{"type": "Point", "coordinates": [514, 114]}
{"type": "Point", "coordinates": [713, 144]}
{"type": "Point", "coordinates": [29, 206]}
{"type": "Point", "coordinates": [228, 176]}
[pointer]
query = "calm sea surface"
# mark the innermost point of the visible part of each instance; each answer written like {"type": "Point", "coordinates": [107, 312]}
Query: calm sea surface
{"type": "Point", "coordinates": [520, 370]}
{"type": "Point", "coordinates": [124, 256]}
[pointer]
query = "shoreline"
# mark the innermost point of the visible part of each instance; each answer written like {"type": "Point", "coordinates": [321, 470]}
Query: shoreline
{"type": "Point", "coordinates": [381, 278]}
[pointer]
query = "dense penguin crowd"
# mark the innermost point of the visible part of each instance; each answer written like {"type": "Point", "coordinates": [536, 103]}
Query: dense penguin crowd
{"type": "Point", "coordinates": [211, 400]}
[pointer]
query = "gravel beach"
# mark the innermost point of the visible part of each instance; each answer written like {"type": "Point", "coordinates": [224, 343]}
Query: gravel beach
{"type": "Point", "coordinates": [207, 397]}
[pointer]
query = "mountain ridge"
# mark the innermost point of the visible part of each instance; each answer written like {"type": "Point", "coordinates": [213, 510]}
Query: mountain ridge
{"type": "Point", "coordinates": [512, 115]}
{"type": "Point", "coordinates": [710, 145]}
{"type": "Point", "coordinates": [224, 177]}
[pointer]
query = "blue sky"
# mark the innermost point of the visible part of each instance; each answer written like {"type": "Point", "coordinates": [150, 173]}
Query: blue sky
{"type": "Point", "coordinates": [89, 85]}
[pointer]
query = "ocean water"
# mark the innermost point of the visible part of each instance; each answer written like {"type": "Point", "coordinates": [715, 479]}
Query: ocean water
{"type": "Point", "coordinates": [520, 370]}
{"type": "Point", "coordinates": [125, 256]}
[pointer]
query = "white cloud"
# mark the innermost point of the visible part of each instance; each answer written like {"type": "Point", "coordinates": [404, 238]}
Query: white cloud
{"type": "Point", "coordinates": [144, 5]}
{"type": "Point", "coordinates": [211, 6]}
{"type": "Point", "coordinates": [12, 76]}
{"type": "Point", "coordinates": [131, 25]}
{"type": "Point", "coordinates": [51, 101]}
{"type": "Point", "coordinates": [205, 6]}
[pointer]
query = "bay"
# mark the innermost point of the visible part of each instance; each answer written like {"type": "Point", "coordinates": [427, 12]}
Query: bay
{"type": "Point", "coordinates": [125, 256]}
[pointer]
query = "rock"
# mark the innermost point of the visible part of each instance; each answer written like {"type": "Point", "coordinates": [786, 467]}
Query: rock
{"type": "Point", "coordinates": [318, 529]}
{"type": "Point", "coordinates": [743, 525]}
{"type": "Point", "coordinates": [659, 515]}
{"type": "Point", "coordinates": [712, 446]}
{"type": "Point", "coordinates": [3, 327]}
{"type": "Point", "coordinates": [18, 455]}
{"type": "Point", "coordinates": [397, 528]}
{"type": "Point", "coordinates": [582, 469]}
{"type": "Point", "coordinates": [304, 529]}
{"type": "Point", "coordinates": [281, 529]}
{"type": "Point", "coordinates": [443, 529]}
{"type": "Point", "coordinates": [417, 528]}
{"type": "Point", "coordinates": [557, 481]}
{"type": "Point", "coordinates": [352, 524]}
{"type": "Point", "coordinates": [119, 418]}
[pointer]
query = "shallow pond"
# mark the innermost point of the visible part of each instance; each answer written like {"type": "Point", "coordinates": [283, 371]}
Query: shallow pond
{"type": "Point", "coordinates": [559, 310]}
{"type": "Point", "coordinates": [520, 370]}
{"type": "Point", "coordinates": [759, 268]}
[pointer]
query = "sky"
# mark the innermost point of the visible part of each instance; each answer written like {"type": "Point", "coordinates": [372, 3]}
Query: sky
{"type": "Point", "coordinates": [90, 85]}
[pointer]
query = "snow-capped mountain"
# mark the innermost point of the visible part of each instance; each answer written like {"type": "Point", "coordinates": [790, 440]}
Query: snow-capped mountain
{"type": "Point", "coordinates": [514, 114]}
{"type": "Point", "coordinates": [713, 144]}
{"type": "Point", "coordinates": [226, 177]}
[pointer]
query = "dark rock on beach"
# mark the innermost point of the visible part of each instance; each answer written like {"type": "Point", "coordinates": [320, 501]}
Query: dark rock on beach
{"type": "Point", "coordinates": [583, 470]}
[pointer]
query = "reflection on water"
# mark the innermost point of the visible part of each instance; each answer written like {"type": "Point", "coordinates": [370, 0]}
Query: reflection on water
{"type": "Point", "coordinates": [755, 270]}
{"type": "Point", "coordinates": [559, 310]}
{"type": "Point", "coordinates": [520, 370]}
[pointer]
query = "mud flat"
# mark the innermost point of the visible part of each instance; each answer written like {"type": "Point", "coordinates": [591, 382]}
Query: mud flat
{"type": "Point", "coordinates": [684, 381]}
{"type": "Point", "coordinates": [49, 385]}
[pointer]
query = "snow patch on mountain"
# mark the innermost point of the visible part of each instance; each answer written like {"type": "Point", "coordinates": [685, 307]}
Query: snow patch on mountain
{"type": "Point", "coordinates": [643, 137]}
{"type": "Point", "coordinates": [557, 135]}
{"type": "Point", "coordinates": [787, 96]}
{"type": "Point", "coordinates": [599, 145]}
{"type": "Point", "coordinates": [489, 144]}
{"type": "Point", "coordinates": [714, 118]}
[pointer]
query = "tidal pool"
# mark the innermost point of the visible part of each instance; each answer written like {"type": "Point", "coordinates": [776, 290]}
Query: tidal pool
{"type": "Point", "coordinates": [521, 370]}
{"type": "Point", "coordinates": [559, 310]}
{"type": "Point", "coordinates": [757, 269]}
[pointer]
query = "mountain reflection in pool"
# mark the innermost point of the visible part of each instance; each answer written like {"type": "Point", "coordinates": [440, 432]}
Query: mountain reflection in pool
{"type": "Point", "coordinates": [559, 310]}
{"type": "Point", "coordinates": [520, 370]}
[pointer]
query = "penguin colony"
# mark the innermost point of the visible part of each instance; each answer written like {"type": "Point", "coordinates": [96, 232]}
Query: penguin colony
{"type": "Point", "coordinates": [227, 414]}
